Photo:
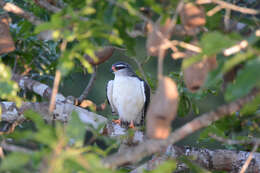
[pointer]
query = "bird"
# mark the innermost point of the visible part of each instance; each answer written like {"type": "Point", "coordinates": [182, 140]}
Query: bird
{"type": "Point", "coordinates": [128, 95]}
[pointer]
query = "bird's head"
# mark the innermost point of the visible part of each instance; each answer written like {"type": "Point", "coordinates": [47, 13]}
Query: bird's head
{"type": "Point", "coordinates": [121, 68]}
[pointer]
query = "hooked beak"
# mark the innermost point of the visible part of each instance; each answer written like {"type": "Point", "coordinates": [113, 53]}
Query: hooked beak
{"type": "Point", "coordinates": [113, 69]}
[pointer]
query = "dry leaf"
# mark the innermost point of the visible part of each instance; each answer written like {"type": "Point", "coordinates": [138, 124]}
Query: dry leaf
{"type": "Point", "coordinates": [192, 17]}
{"type": "Point", "coordinates": [102, 55]}
{"type": "Point", "coordinates": [156, 35]}
{"type": "Point", "coordinates": [196, 74]}
{"type": "Point", "coordinates": [6, 41]}
{"type": "Point", "coordinates": [162, 109]}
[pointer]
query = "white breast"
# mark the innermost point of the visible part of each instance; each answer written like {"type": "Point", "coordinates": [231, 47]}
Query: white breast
{"type": "Point", "coordinates": [128, 98]}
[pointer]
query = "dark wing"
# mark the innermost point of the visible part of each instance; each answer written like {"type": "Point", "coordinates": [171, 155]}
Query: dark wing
{"type": "Point", "coordinates": [109, 91]}
{"type": "Point", "coordinates": [146, 89]}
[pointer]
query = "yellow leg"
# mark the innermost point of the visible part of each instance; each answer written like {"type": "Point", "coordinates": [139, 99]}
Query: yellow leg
{"type": "Point", "coordinates": [117, 121]}
{"type": "Point", "coordinates": [132, 126]}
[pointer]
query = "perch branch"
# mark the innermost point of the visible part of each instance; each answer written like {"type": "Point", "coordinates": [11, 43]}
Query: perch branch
{"type": "Point", "coordinates": [151, 146]}
{"type": "Point", "coordinates": [218, 160]}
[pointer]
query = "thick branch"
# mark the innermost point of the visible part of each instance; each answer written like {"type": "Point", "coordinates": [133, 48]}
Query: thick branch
{"type": "Point", "coordinates": [62, 112]}
{"type": "Point", "coordinates": [9, 7]}
{"type": "Point", "coordinates": [219, 160]}
{"type": "Point", "coordinates": [151, 146]}
{"type": "Point", "coordinates": [14, 148]}
{"type": "Point", "coordinates": [41, 89]}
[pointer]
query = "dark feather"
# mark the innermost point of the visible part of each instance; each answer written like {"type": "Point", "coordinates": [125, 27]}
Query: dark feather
{"type": "Point", "coordinates": [106, 94]}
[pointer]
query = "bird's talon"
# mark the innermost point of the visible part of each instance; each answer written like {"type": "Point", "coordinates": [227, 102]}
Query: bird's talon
{"type": "Point", "coordinates": [132, 126]}
{"type": "Point", "coordinates": [117, 121]}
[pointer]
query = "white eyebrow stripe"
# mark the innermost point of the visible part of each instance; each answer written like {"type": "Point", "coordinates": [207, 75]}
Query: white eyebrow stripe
{"type": "Point", "coordinates": [120, 65]}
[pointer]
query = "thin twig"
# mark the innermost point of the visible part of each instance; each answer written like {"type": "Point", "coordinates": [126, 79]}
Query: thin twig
{"type": "Point", "coordinates": [89, 86]}
{"type": "Point", "coordinates": [214, 10]}
{"type": "Point", "coordinates": [227, 19]}
{"type": "Point", "coordinates": [175, 17]}
{"type": "Point", "coordinates": [15, 64]}
{"type": "Point", "coordinates": [245, 166]}
{"type": "Point", "coordinates": [230, 6]}
{"type": "Point", "coordinates": [56, 81]}
{"type": "Point", "coordinates": [140, 68]}
{"type": "Point", "coordinates": [160, 63]}
{"type": "Point", "coordinates": [54, 90]}
{"type": "Point", "coordinates": [234, 142]}
{"type": "Point", "coordinates": [137, 13]}
{"type": "Point", "coordinates": [236, 48]}
{"type": "Point", "coordinates": [187, 46]}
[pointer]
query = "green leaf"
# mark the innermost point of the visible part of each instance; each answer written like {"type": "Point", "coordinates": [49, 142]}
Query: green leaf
{"type": "Point", "coordinates": [184, 105]}
{"type": "Point", "coordinates": [195, 108]}
{"type": "Point", "coordinates": [211, 129]}
{"type": "Point", "coordinates": [167, 166]}
{"type": "Point", "coordinates": [189, 61]}
{"type": "Point", "coordinates": [237, 59]}
{"type": "Point", "coordinates": [215, 42]}
{"type": "Point", "coordinates": [42, 27]}
{"type": "Point", "coordinates": [36, 118]}
{"type": "Point", "coordinates": [251, 107]}
{"type": "Point", "coordinates": [14, 161]}
{"type": "Point", "coordinates": [193, 167]}
{"type": "Point", "coordinates": [76, 129]}
{"type": "Point", "coordinates": [66, 63]}
{"type": "Point", "coordinates": [42, 132]}
{"type": "Point", "coordinates": [8, 88]}
{"type": "Point", "coordinates": [246, 79]}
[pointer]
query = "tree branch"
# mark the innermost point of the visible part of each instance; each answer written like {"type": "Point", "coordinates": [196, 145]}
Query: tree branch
{"type": "Point", "coordinates": [218, 160]}
{"type": "Point", "coordinates": [89, 86]}
{"type": "Point", "coordinates": [41, 89]}
{"type": "Point", "coordinates": [14, 148]}
{"type": "Point", "coordinates": [233, 142]}
{"type": "Point", "coordinates": [10, 7]}
{"type": "Point", "coordinates": [230, 6]}
{"type": "Point", "coordinates": [249, 159]}
{"type": "Point", "coordinates": [151, 146]}
{"type": "Point", "coordinates": [45, 4]}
